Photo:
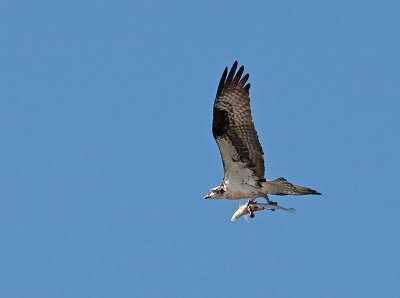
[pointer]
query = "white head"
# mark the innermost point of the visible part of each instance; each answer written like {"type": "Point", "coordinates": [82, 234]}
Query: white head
{"type": "Point", "coordinates": [216, 193]}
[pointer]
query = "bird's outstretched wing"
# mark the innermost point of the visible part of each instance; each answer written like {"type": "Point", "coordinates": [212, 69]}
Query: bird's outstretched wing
{"type": "Point", "coordinates": [233, 126]}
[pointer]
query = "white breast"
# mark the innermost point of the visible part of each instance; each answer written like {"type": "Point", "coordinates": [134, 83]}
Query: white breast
{"type": "Point", "coordinates": [239, 187]}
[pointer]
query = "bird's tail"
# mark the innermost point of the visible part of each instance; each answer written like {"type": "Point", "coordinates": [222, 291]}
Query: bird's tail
{"type": "Point", "coordinates": [282, 187]}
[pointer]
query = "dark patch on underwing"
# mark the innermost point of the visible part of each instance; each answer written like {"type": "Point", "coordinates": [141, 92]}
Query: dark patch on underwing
{"type": "Point", "coordinates": [220, 123]}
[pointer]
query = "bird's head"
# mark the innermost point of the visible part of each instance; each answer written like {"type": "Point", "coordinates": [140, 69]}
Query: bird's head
{"type": "Point", "coordinates": [215, 193]}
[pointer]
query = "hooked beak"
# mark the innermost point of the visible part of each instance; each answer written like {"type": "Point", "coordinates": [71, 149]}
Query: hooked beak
{"type": "Point", "coordinates": [206, 197]}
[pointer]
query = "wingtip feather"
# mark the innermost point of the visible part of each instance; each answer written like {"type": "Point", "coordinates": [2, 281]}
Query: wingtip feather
{"type": "Point", "coordinates": [231, 74]}
{"type": "Point", "coordinates": [247, 87]}
{"type": "Point", "coordinates": [222, 81]}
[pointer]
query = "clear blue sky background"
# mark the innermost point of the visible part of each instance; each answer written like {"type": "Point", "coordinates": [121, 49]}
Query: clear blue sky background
{"type": "Point", "coordinates": [107, 152]}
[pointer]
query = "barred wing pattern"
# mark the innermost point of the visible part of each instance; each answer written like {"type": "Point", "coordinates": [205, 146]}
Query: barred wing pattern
{"type": "Point", "coordinates": [233, 126]}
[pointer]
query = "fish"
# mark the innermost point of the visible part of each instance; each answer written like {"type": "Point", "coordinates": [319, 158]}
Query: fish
{"type": "Point", "coordinates": [250, 207]}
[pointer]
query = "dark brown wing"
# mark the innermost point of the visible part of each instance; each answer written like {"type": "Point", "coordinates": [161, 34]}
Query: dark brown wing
{"type": "Point", "coordinates": [233, 126]}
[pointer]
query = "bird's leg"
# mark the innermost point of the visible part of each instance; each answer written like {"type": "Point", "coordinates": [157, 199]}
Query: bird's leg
{"type": "Point", "coordinates": [270, 202]}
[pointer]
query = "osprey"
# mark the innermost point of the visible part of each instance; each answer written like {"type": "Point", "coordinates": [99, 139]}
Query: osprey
{"type": "Point", "coordinates": [241, 152]}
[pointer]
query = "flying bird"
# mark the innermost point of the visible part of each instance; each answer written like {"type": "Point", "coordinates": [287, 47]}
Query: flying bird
{"type": "Point", "coordinates": [240, 148]}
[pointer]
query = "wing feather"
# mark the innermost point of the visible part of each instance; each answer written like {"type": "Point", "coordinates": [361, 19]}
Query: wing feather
{"type": "Point", "coordinates": [229, 79]}
{"type": "Point", "coordinates": [233, 126]}
{"type": "Point", "coordinates": [243, 80]}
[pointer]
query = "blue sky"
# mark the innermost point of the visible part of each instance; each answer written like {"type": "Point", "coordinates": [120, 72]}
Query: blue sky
{"type": "Point", "coordinates": [107, 150]}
